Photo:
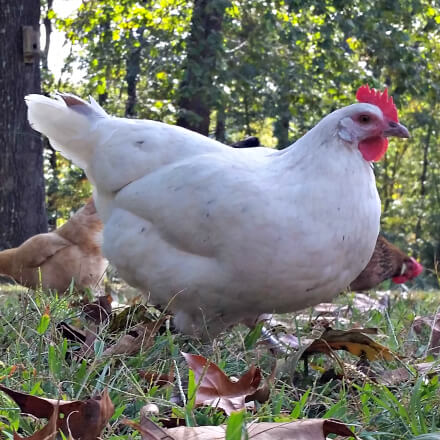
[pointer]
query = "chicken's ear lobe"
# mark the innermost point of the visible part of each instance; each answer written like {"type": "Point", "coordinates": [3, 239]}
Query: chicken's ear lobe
{"type": "Point", "coordinates": [344, 131]}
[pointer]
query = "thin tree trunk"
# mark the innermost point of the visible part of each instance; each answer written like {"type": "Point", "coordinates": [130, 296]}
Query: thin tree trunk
{"type": "Point", "coordinates": [281, 126]}
{"type": "Point", "coordinates": [247, 117]}
{"type": "Point", "coordinates": [423, 177]}
{"type": "Point", "coordinates": [197, 95]}
{"type": "Point", "coordinates": [220, 126]}
{"type": "Point", "coordinates": [48, 28]}
{"type": "Point", "coordinates": [133, 70]}
{"type": "Point", "coordinates": [22, 210]}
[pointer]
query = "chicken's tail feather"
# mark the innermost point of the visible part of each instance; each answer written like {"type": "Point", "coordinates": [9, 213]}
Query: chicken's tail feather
{"type": "Point", "coordinates": [67, 121]}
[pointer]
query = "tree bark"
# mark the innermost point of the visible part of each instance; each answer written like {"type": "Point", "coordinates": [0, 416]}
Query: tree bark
{"type": "Point", "coordinates": [423, 177]}
{"type": "Point", "coordinates": [133, 64]}
{"type": "Point", "coordinates": [48, 27]}
{"type": "Point", "coordinates": [197, 96]}
{"type": "Point", "coordinates": [22, 210]}
{"type": "Point", "coordinates": [220, 126]}
{"type": "Point", "coordinates": [281, 125]}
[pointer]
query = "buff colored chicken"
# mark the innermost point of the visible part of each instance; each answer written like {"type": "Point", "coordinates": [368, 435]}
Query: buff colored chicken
{"type": "Point", "coordinates": [53, 260]}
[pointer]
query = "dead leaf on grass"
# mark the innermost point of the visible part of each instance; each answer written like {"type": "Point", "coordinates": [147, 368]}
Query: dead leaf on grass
{"type": "Point", "coordinates": [262, 394]}
{"type": "Point", "coordinates": [218, 390]}
{"type": "Point", "coordinates": [87, 349]}
{"type": "Point", "coordinates": [140, 337]}
{"type": "Point", "coordinates": [99, 310]}
{"type": "Point", "coordinates": [433, 323]}
{"type": "Point", "coordinates": [149, 430]}
{"type": "Point", "coordinates": [135, 314]}
{"type": "Point", "coordinates": [71, 332]}
{"type": "Point", "coordinates": [159, 379]}
{"type": "Point", "coordinates": [354, 341]}
{"type": "Point", "coordinates": [82, 419]}
{"type": "Point", "coordinates": [311, 429]}
{"type": "Point", "coordinates": [49, 432]}
{"type": "Point", "coordinates": [402, 374]}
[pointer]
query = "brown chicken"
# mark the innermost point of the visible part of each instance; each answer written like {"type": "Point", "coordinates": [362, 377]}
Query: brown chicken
{"type": "Point", "coordinates": [52, 260]}
{"type": "Point", "coordinates": [387, 261]}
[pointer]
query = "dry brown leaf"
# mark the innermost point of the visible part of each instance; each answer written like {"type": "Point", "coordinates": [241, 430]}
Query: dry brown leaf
{"type": "Point", "coordinates": [99, 310]}
{"type": "Point", "coordinates": [216, 389]}
{"type": "Point", "coordinates": [71, 333]}
{"type": "Point", "coordinates": [82, 419]}
{"type": "Point", "coordinates": [263, 392]}
{"type": "Point", "coordinates": [132, 315]}
{"type": "Point", "coordinates": [354, 341]}
{"type": "Point", "coordinates": [394, 377]}
{"type": "Point", "coordinates": [140, 337]}
{"type": "Point", "coordinates": [49, 432]}
{"type": "Point", "coordinates": [311, 429]}
{"type": "Point", "coordinates": [149, 430]}
{"type": "Point", "coordinates": [159, 379]}
{"type": "Point", "coordinates": [399, 375]}
{"type": "Point", "coordinates": [433, 322]}
{"type": "Point", "coordinates": [361, 302]}
{"type": "Point", "coordinates": [424, 368]}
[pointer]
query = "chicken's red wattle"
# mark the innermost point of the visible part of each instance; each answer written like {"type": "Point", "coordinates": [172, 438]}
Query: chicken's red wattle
{"type": "Point", "coordinates": [374, 148]}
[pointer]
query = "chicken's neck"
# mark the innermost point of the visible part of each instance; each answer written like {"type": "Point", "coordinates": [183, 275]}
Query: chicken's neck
{"type": "Point", "coordinates": [322, 147]}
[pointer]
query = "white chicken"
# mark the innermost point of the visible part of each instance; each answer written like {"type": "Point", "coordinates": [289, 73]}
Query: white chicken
{"type": "Point", "coordinates": [221, 235]}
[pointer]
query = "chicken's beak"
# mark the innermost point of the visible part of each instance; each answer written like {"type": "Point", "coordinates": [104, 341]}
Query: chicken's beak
{"type": "Point", "coordinates": [397, 130]}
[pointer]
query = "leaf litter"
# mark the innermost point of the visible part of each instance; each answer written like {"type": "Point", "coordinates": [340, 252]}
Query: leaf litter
{"type": "Point", "coordinates": [81, 419]}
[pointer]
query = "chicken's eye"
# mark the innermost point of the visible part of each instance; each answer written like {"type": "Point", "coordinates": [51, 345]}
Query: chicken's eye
{"type": "Point", "coordinates": [364, 119]}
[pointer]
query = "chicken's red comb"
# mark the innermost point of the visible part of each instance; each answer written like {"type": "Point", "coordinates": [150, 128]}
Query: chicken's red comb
{"type": "Point", "coordinates": [382, 100]}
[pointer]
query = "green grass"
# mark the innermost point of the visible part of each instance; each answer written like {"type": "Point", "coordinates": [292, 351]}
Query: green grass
{"type": "Point", "coordinates": [46, 366]}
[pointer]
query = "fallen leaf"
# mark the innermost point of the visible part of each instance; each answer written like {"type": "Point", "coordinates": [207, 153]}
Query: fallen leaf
{"type": "Point", "coordinates": [82, 419]}
{"type": "Point", "coordinates": [49, 432]}
{"type": "Point", "coordinates": [159, 379]}
{"type": "Point", "coordinates": [149, 430]}
{"type": "Point", "coordinates": [262, 394]}
{"type": "Point", "coordinates": [424, 368]}
{"type": "Point", "coordinates": [99, 310]}
{"type": "Point", "coordinates": [87, 349]}
{"type": "Point", "coordinates": [140, 337]}
{"type": "Point", "coordinates": [433, 323]}
{"type": "Point", "coordinates": [402, 374]}
{"type": "Point", "coordinates": [135, 314]}
{"type": "Point", "coordinates": [311, 429]}
{"type": "Point", "coordinates": [71, 333]}
{"type": "Point", "coordinates": [354, 341]}
{"type": "Point", "coordinates": [218, 390]}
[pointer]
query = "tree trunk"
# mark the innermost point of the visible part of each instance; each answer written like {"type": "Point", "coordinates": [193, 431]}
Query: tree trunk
{"type": "Point", "coordinates": [22, 210]}
{"type": "Point", "coordinates": [48, 28]}
{"type": "Point", "coordinates": [281, 125]}
{"type": "Point", "coordinates": [133, 64]}
{"type": "Point", "coordinates": [197, 96]}
{"type": "Point", "coordinates": [423, 177]}
{"type": "Point", "coordinates": [220, 126]}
